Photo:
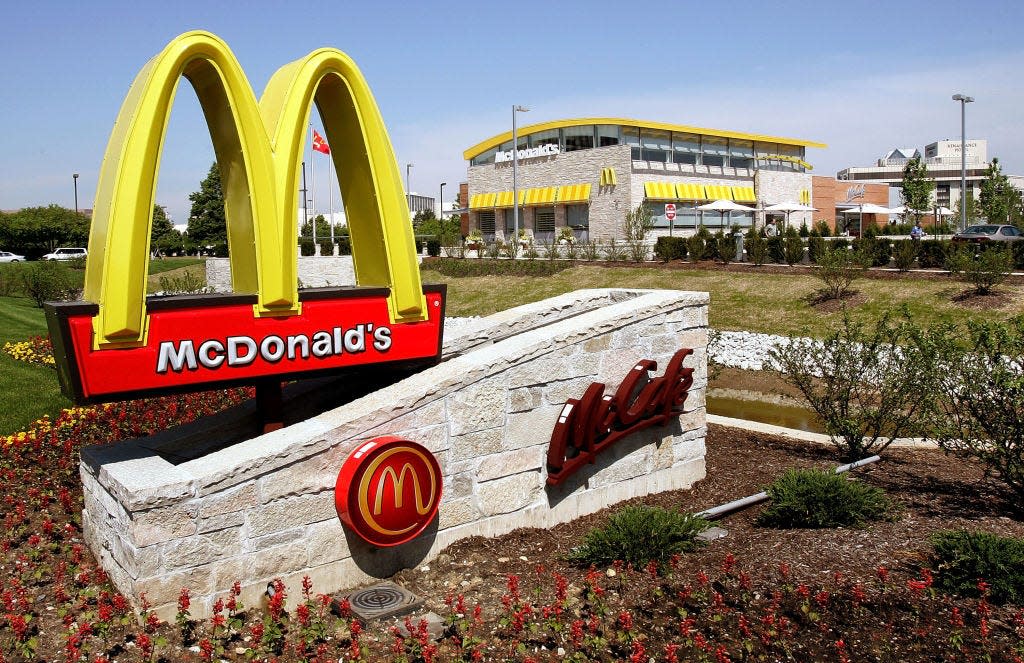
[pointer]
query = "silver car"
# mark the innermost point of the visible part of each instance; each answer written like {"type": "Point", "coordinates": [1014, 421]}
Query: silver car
{"type": "Point", "coordinates": [7, 256]}
{"type": "Point", "coordinates": [987, 232]}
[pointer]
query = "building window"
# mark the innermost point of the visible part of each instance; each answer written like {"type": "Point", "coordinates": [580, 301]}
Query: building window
{"type": "Point", "coordinates": [485, 158]}
{"type": "Point", "coordinates": [579, 138]}
{"type": "Point", "coordinates": [544, 224]}
{"type": "Point", "coordinates": [608, 134]}
{"type": "Point", "coordinates": [631, 137]}
{"type": "Point", "coordinates": [741, 153]}
{"type": "Point", "coordinates": [486, 221]}
{"type": "Point", "coordinates": [577, 217]}
{"type": "Point", "coordinates": [549, 137]}
{"type": "Point", "coordinates": [656, 145]}
{"type": "Point", "coordinates": [714, 151]}
{"type": "Point", "coordinates": [509, 222]}
{"type": "Point", "coordinates": [685, 148]}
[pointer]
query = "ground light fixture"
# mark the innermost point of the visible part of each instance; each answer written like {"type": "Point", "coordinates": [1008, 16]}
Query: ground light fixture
{"type": "Point", "coordinates": [515, 170]}
{"type": "Point", "coordinates": [964, 100]}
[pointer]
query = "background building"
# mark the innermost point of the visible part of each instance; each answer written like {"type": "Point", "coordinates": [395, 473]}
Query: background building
{"type": "Point", "coordinates": [586, 174]}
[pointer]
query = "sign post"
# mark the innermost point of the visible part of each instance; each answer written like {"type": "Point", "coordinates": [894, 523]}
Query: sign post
{"type": "Point", "coordinates": [670, 214]}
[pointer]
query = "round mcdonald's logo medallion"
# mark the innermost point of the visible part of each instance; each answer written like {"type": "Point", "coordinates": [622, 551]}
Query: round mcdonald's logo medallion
{"type": "Point", "coordinates": [388, 490]}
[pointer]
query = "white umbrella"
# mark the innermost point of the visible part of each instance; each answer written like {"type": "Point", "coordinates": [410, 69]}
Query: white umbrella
{"type": "Point", "coordinates": [945, 211]}
{"type": "Point", "coordinates": [724, 206]}
{"type": "Point", "coordinates": [866, 208]}
{"type": "Point", "coordinates": [789, 206]}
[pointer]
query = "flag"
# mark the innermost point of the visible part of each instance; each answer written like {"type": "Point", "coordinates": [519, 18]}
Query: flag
{"type": "Point", "coordinates": [319, 144]}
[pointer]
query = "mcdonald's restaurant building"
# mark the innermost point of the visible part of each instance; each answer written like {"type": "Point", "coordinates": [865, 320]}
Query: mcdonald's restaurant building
{"type": "Point", "coordinates": [586, 174]}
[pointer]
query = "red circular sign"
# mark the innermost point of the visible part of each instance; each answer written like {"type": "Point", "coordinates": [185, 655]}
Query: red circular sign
{"type": "Point", "coordinates": [388, 490]}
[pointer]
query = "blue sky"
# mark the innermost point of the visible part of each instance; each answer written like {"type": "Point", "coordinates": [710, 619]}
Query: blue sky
{"type": "Point", "coordinates": [861, 77]}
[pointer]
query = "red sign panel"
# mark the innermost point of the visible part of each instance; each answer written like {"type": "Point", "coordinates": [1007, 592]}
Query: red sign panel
{"type": "Point", "coordinates": [213, 340]}
{"type": "Point", "coordinates": [588, 426]}
{"type": "Point", "coordinates": [670, 211]}
{"type": "Point", "coordinates": [388, 491]}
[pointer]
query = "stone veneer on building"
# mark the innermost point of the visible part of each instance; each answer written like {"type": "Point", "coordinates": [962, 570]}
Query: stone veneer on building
{"type": "Point", "coordinates": [264, 508]}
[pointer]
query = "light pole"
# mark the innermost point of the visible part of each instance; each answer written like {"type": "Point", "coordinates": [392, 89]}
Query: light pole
{"type": "Point", "coordinates": [515, 170]}
{"type": "Point", "coordinates": [408, 191]}
{"type": "Point", "coordinates": [440, 202]}
{"type": "Point", "coordinates": [964, 100]}
{"type": "Point", "coordinates": [74, 176]}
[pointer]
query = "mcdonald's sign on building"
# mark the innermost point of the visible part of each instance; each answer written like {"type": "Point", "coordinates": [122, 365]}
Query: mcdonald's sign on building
{"type": "Point", "coordinates": [119, 343]}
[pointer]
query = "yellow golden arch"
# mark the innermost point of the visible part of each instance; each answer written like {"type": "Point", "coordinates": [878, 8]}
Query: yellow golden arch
{"type": "Point", "coordinates": [259, 150]}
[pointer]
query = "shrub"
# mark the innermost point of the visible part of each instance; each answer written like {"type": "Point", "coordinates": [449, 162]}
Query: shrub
{"type": "Point", "coordinates": [776, 249]}
{"type": "Point", "coordinates": [344, 245]}
{"type": "Point", "coordinates": [864, 386]}
{"type": "Point", "coordinates": [757, 247]}
{"type": "Point", "coordinates": [984, 271]}
{"type": "Point", "coordinates": [458, 268]}
{"type": "Point", "coordinates": [823, 228]}
{"type": "Point", "coordinates": [549, 250]}
{"type": "Point", "coordinates": [904, 253]}
{"type": "Point", "coordinates": [817, 499]}
{"type": "Point", "coordinates": [804, 231]}
{"type": "Point", "coordinates": [932, 253]}
{"type": "Point", "coordinates": [725, 246]}
{"type": "Point", "coordinates": [589, 250]}
{"type": "Point", "coordinates": [839, 243]}
{"type": "Point", "coordinates": [306, 247]}
{"type": "Point", "coordinates": [961, 558]}
{"type": "Point", "coordinates": [670, 248]}
{"type": "Point", "coordinates": [638, 535]}
{"type": "Point", "coordinates": [47, 281]}
{"type": "Point", "coordinates": [434, 247]}
{"type": "Point", "coordinates": [186, 284]}
{"type": "Point", "coordinates": [614, 252]}
{"type": "Point", "coordinates": [695, 248]}
{"type": "Point", "coordinates": [838, 268]}
{"type": "Point", "coordinates": [815, 247]}
{"type": "Point", "coordinates": [1018, 254]}
{"type": "Point", "coordinates": [10, 280]}
{"type": "Point", "coordinates": [792, 247]}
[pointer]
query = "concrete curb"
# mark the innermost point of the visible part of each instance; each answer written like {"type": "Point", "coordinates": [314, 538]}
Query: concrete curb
{"type": "Point", "coordinates": [816, 438]}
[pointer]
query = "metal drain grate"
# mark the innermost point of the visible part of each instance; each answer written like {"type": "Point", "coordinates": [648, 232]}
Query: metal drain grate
{"type": "Point", "coordinates": [379, 601]}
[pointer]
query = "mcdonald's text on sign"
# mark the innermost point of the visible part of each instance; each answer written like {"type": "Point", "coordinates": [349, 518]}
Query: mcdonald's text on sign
{"type": "Point", "coordinates": [388, 491]}
{"type": "Point", "coordinates": [591, 424]}
{"type": "Point", "coordinates": [119, 343]}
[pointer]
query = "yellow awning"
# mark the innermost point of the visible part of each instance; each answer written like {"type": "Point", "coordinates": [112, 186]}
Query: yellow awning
{"type": "Point", "coordinates": [744, 194]}
{"type": "Point", "coordinates": [504, 198]}
{"type": "Point", "coordinates": [608, 177]}
{"type": "Point", "coordinates": [544, 195]}
{"type": "Point", "coordinates": [718, 192]}
{"type": "Point", "coordinates": [574, 193]}
{"type": "Point", "coordinates": [482, 200]}
{"type": "Point", "coordinates": [690, 192]}
{"type": "Point", "coordinates": [660, 190]}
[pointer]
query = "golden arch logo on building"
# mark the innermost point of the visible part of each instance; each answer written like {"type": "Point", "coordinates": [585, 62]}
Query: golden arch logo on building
{"type": "Point", "coordinates": [259, 152]}
{"type": "Point", "coordinates": [388, 490]}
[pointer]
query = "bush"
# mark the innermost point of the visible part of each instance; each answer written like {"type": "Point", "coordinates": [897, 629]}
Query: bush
{"type": "Point", "coordinates": [433, 247]}
{"type": "Point", "coordinates": [670, 248]}
{"type": "Point", "coordinates": [815, 247]}
{"type": "Point", "coordinates": [776, 249]}
{"type": "Point", "coordinates": [792, 247]}
{"type": "Point", "coordinates": [932, 253]}
{"type": "Point", "coordinates": [458, 268]}
{"type": "Point", "coordinates": [1018, 254]}
{"type": "Point", "coordinates": [186, 284]}
{"type": "Point", "coordinates": [344, 245]}
{"type": "Point", "coordinates": [838, 268]}
{"type": "Point", "coordinates": [839, 243]}
{"type": "Point", "coordinates": [961, 558]}
{"type": "Point", "coordinates": [306, 246]}
{"type": "Point", "coordinates": [10, 280]}
{"type": "Point", "coordinates": [48, 281]}
{"type": "Point", "coordinates": [638, 535]}
{"type": "Point", "coordinates": [904, 253]}
{"type": "Point", "coordinates": [725, 246]}
{"type": "Point", "coordinates": [695, 248]}
{"type": "Point", "coordinates": [614, 252]}
{"type": "Point", "coordinates": [823, 228]}
{"type": "Point", "coordinates": [866, 387]}
{"type": "Point", "coordinates": [804, 231]}
{"type": "Point", "coordinates": [984, 271]}
{"type": "Point", "coordinates": [757, 247]}
{"type": "Point", "coordinates": [817, 499]}
{"type": "Point", "coordinates": [589, 250]}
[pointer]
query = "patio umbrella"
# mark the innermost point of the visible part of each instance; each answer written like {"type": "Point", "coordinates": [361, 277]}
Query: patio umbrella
{"type": "Point", "coordinates": [789, 206]}
{"type": "Point", "coordinates": [866, 208]}
{"type": "Point", "coordinates": [724, 206]}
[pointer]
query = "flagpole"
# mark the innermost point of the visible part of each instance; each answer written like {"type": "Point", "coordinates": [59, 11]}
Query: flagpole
{"type": "Point", "coordinates": [330, 187]}
{"type": "Point", "coordinates": [312, 178]}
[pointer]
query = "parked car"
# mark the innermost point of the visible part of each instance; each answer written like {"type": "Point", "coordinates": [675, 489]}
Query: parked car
{"type": "Point", "coordinates": [66, 254]}
{"type": "Point", "coordinates": [988, 232]}
{"type": "Point", "coordinates": [7, 256]}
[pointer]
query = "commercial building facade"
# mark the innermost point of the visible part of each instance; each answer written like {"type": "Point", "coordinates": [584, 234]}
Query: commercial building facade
{"type": "Point", "coordinates": [587, 174]}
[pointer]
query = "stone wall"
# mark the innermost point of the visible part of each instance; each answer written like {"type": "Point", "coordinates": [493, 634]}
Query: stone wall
{"type": "Point", "coordinates": [314, 272]}
{"type": "Point", "coordinates": [264, 508]}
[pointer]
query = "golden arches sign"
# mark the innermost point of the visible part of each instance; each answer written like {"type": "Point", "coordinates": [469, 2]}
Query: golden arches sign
{"type": "Point", "coordinates": [258, 149]}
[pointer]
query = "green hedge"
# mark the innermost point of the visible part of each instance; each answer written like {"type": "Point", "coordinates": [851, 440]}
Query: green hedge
{"type": "Point", "coordinates": [670, 248]}
{"type": "Point", "coordinates": [456, 267]}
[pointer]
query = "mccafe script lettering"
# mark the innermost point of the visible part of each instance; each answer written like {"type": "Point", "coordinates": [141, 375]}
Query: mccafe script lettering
{"type": "Point", "coordinates": [588, 426]}
{"type": "Point", "coordinates": [237, 351]}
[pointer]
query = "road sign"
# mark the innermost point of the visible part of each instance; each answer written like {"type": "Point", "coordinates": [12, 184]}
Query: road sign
{"type": "Point", "coordinates": [670, 211]}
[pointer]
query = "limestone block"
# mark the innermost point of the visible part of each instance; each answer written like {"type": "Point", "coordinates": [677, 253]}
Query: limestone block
{"type": "Point", "coordinates": [457, 485]}
{"type": "Point", "coordinates": [509, 493]}
{"type": "Point", "coordinates": [326, 542]}
{"type": "Point", "coordinates": [430, 414]}
{"type": "Point", "coordinates": [476, 444]}
{"type": "Point", "coordinates": [557, 393]}
{"type": "Point", "coordinates": [289, 512]}
{"type": "Point", "coordinates": [277, 538]}
{"type": "Point", "coordinates": [528, 428]}
{"type": "Point", "coordinates": [311, 475]}
{"type": "Point", "coordinates": [241, 498]}
{"type": "Point", "coordinates": [599, 344]}
{"type": "Point", "coordinates": [163, 524]}
{"type": "Point", "coordinates": [525, 399]}
{"type": "Point", "coordinates": [511, 462]}
{"type": "Point", "coordinates": [623, 468]}
{"type": "Point", "coordinates": [279, 560]}
{"type": "Point", "coordinates": [457, 512]}
{"type": "Point", "coordinates": [223, 521]}
{"type": "Point", "coordinates": [199, 550]}
{"type": "Point", "coordinates": [663, 453]}
{"type": "Point", "coordinates": [166, 587]}
{"type": "Point", "coordinates": [477, 407]}
{"type": "Point", "coordinates": [685, 450]}
{"type": "Point", "coordinates": [136, 562]}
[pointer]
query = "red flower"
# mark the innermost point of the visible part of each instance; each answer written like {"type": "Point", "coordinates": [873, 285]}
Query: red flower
{"type": "Point", "coordinates": [184, 600]}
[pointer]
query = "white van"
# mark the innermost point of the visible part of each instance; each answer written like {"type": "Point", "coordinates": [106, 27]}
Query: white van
{"type": "Point", "coordinates": [66, 254]}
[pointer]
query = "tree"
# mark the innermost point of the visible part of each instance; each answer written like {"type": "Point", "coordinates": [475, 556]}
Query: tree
{"type": "Point", "coordinates": [206, 222]}
{"type": "Point", "coordinates": [163, 237]}
{"type": "Point", "coordinates": [971, 206]}
{"type": "Point", "coordinates": [635, 226]}
{"type": "Point", "coordinates": [34, 231]}
{"type": "Point", "coordinates": [916, 189]}
{"type": "Point", "coordinates": [323, 228]}
{"type": "Point", "coordinates": [998, 197]}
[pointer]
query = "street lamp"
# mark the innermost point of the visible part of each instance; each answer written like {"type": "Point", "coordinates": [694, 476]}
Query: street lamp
{"type": "Point", "coordinates": [440, 202]}
{"type": "Point", "coordinates": [408, 191]}
{"type": "Point", "coordinates": [74, 176]}
{"type": "Point", "coordinates": [515, 171]}
{"type": "Point", "coordinates": [964, 100]}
